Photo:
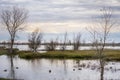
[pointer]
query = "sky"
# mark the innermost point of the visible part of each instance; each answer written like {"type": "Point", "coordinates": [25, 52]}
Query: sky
{"type": "Point", "coordinates": [55, 17]}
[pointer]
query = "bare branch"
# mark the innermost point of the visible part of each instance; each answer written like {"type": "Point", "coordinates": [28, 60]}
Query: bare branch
{"type": "Point", "coordinates": [101, 34]}
{"type": "Point", "coordinates": [77, 41]}
{"type": "Point", "coordinates": [63, 46]}
{"type": "Point", "coordinates": [35, 40]}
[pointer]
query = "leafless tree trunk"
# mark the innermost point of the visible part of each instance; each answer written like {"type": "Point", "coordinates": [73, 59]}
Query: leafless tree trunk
{"type": "Point", "coordinates": [52, 45]}
{"type": "Point", "coordinates": [64, 44]}
{"type": "Point", "coordinates": [35, 39]}
{"type": "Point", "coordinates": [100, 34]}
{"type": "Point", "coordinates": [13, 18]}
{"type": "Point", "coordinates": [77, 41]}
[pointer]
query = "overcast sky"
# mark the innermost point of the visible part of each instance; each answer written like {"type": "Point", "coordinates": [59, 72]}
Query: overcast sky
{"type": "Point", "coordinates": [59, 16]}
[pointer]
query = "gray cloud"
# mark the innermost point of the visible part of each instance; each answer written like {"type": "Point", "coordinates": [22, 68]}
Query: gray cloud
{"type": "Point", "coordinates": [63, 10]}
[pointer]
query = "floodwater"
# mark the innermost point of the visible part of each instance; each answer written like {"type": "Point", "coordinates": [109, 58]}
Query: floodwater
{"type": "Point", "coordinates": [42, 47]}
{"type": "Point", "coordinates": [56, 69]}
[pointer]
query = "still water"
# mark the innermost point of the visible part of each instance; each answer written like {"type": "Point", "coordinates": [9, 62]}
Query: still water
{"type": "Point", "coordinates": [55, 69]}
{"type": "Point", "coordinates": [42, 47]}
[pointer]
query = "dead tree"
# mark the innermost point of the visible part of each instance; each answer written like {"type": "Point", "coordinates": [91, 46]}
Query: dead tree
{"type": "Point", "coordinates": [51, 46]}
{"type": "Point", "coordinates": [35, 40]}
{"type": "Point", "coordinates": [101, 33]}
{"type": "Point", "coordinates": [13, 19]}
{"type": "Point", "coordinates": [76, 41]}
{"type": "Point", "coordinates": [64, 44]}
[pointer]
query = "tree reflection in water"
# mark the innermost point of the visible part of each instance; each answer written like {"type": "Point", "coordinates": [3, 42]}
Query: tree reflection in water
{"type": "Point", "coordinates": [94, 66]}
{"type": "Point", "coordinates": [11, 74]}
{"type": "Point", "coordinates": [60, 69]}
{"type": "Point", "coordinates": [102, 65]}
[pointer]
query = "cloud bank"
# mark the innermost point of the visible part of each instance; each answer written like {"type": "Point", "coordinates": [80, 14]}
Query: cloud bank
{"type": "Point", "coordinates": [59, 16]}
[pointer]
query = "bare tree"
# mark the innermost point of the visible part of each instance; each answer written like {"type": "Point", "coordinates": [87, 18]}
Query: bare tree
{"type": "Point", "coordinates": [35, 39]}
{"type": "Point", "coordinates": [76, 41]}
{"type": "Point", "coordinates": [13, 19]}
{"type": "Point", "coordinates": [101, 33]}
{"type": "Point", "coordinates": [64, 44]}
{"type": "Point", "coordinates": [52, 45]}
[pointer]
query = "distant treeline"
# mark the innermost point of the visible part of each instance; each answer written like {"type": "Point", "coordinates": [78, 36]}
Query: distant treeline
{"type": "Point", "coordinates": [68, 44]}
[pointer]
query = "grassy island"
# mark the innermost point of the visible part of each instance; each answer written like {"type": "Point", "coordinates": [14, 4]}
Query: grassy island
{"type": "Point", "coordinates": [82, 54]}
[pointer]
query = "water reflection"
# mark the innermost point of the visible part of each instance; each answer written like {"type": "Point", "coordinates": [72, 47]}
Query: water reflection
{"type": "Point", "coordinates": [102, 65]}
{"type": "Point", "coordinates": [11, 74]}
{"type": "Point", "coordinates": [55, 69]}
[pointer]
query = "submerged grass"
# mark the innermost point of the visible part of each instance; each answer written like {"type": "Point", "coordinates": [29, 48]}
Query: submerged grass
{"type": "Point", "coordinates": [83, 54]}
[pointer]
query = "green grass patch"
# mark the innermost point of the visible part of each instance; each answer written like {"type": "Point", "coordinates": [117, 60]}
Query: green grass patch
{"type": "Point", "coordinates": [83, 54]}
{"type": "Point", "coordinates": [113, 55]}
{"type": "Point", "coordinates": [6, 51]}
{"type": "Point", "coordinates": [59, 54]}
{"type": "Point", "coordinates": [3, 51]}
